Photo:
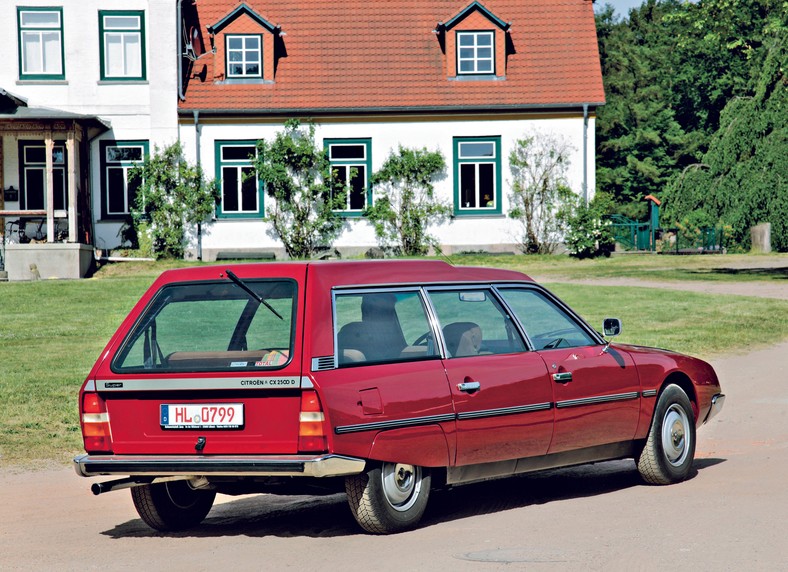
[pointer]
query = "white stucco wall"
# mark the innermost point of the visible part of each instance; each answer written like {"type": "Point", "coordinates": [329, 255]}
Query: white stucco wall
{"type": "Point", "coordinates": [493, 232]}
{"type": "Point", "coordinates": [144, 110]}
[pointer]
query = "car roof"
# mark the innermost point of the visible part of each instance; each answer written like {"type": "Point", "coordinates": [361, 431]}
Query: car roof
{"type": "Point", "coordinates": [336, 273]}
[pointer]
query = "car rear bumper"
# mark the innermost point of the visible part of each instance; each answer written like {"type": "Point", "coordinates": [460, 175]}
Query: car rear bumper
{"type": "Point", "coordinates": [218, 465]}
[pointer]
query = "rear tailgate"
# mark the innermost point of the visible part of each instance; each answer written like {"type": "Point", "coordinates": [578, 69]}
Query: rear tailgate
{"type": "Point", "coordinates": [210, 420]}
{"type": "Point", "coordinates": [209, 366]}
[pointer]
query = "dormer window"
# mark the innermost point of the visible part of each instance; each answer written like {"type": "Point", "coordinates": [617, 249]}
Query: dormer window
{"type": "Point", "coordinates": [247, 44]}
{"type": "Point", "coordinates": [244, 56]}
{"type": "Point", "coordinates": [475, 42]}
{"type": "Point", "coordinates": [475, 53]}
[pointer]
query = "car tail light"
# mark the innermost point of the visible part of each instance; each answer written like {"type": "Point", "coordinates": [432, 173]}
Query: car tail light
{"type": "Point", "coordinates": [95, 424]}
{"type": "Point", "coordinates": [311, 427]}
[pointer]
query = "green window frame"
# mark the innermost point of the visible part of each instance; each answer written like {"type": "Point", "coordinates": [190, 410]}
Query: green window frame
{"type": "Point", "coordinates": [122, 45]}
{"type": "Point", "coordinates": [241, 192]}
{"type": "Point", "coordinates": [41, 51]}
{"type": "Point", "coordinates": [118, 191]}
{"type": "Point", "coordinates": [345, 155]}
{"type": "Point", "coordinates": [244, 54]}
{"type": "Point", "coordinates": [33, 175]}
{"type": "Point", "coordinates": [476, 52]}
{"type": "Point", "coordinates": [477, 175]}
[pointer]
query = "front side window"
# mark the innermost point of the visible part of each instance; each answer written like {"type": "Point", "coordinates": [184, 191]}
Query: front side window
{"type": "Point", "coordinates": [242, 192]}
{"type": "Point", "coordinates": [547, 325]}
{"type": "Point", "coordinates": [477, 175]}
{"type": "Point", "coordinates": [40, 43]}
{"type": "Point", "coordinates": [34, 176]}
{"type": "Point", "coordinates": [474, 323]}
{"type": "Point", "coordinates": [213, 326]}
{"type": "Point", "coordinates": [376, 327]}
{"type": "Point", "coordinates": [122, 37]}
{"type": "Point", "coordinates": [244, 56]}
{"type": "Point", "coordinates": [118, 187]}
{"type": "Point", "coordinates": [350, 166]}
{"type": "Point", "coordinates": [475, 53]}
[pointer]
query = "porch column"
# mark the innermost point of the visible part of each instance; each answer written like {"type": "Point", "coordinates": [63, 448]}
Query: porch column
{"type": "Point", "coordinates": [71, 186]}
{"type": "Point", "coordinates": [50, 147]}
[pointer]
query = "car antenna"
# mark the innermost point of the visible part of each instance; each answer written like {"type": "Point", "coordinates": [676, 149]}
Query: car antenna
{"type": "Point", "coordinates": [255, 296]}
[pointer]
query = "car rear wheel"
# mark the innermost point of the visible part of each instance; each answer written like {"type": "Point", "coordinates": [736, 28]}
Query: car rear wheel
{"type": "Point", "coordinates": [670, 449]}
{"type": "Point", "coordinates": [172, 506]}
{"type": "Point", "coordinates": [390, 497]}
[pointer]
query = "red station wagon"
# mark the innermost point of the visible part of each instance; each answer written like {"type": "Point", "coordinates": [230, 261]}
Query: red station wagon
{"type": "Point", "coordinates": [387, 378]}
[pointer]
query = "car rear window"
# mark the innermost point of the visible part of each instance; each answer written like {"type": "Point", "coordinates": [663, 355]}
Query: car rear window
{"type": "Point", "coordinates": [213, 326]}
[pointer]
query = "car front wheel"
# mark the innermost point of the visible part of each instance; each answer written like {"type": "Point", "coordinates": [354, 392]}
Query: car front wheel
{"type": "Point", "coordinates": [172, 506]}
{"type": "Point", "coordinates": [670, 449]}
{"type": "Point", "coordinates": [390, 497]}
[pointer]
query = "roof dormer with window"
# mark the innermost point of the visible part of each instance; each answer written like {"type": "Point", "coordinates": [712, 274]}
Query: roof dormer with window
{"type": "Point", "coordinates": [475, 44]}
{"type": "Point", "coordinates": [244, 45]}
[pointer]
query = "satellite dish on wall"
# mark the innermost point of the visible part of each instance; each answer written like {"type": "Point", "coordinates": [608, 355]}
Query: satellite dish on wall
{"type": "Point", "coordinates": [194, 46]}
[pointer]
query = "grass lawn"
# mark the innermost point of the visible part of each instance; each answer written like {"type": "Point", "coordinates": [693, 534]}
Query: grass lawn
{"type": "Point", "coordinates": [51, 332]}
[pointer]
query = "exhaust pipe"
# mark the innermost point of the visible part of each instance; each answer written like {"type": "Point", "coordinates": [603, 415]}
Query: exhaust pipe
{"type": "Point", "coordinates": [127, 483]}
{"type": "Point", "coordinates": [105, 487]}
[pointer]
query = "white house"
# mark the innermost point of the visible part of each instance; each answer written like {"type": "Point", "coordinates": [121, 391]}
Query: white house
{"type": "Point", "coordinates": [101, 86]}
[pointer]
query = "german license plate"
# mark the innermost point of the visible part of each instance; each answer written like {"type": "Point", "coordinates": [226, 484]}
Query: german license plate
{"type": "Point", "coordinates": [202, 415]}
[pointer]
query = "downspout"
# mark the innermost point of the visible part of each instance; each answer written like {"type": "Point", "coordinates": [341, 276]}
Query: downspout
{"type": "Point", "coordinates": [585, 153]}
{"type": "Point", "coordinates": [197, 128]}
{"type": "Point", "coordinates": [179, 56]}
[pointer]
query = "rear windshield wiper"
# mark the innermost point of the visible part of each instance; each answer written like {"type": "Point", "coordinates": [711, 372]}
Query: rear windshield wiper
{"type": "Point", "coordinates": [255, 296]}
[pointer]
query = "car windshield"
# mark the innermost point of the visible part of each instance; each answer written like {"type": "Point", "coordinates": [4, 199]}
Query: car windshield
{"type": "Point", "coordinates": [213, 326]}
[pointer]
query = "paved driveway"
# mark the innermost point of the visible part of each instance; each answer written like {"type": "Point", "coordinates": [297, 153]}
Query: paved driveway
{"type": "Point", "coordinates": [730, 516]}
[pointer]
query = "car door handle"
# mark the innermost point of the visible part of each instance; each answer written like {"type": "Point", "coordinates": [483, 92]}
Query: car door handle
{"type": "Point", "coordinates": [469, 386]}
{"type": "Point", "coordinates": [563, 377]}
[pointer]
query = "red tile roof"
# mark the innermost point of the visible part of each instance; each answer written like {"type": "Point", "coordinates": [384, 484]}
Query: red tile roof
{"type": "Point", "coordinates": [384, 55]}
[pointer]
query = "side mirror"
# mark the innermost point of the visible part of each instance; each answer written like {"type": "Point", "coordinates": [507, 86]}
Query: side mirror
{"type": "Point", "coordinates": [611, 327]}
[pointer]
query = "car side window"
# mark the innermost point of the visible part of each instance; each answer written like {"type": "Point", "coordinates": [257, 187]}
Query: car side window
{"type": "Point", "coordinates": [547, 325]}
{"type": "Point", "coordinates": [474, 323]}
{"type": "Point", "coordinates": [376, 327]}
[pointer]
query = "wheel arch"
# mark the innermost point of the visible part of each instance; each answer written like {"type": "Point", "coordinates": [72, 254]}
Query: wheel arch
{"type": "Point", "coordinates": [682, 380]}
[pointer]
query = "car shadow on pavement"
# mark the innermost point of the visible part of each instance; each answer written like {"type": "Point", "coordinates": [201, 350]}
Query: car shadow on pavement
{"type": "Point", "coordinates": [328, 516]}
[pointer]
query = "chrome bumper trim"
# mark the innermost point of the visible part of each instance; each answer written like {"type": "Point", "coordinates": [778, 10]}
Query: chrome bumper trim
{"type": "Point", "coordinates": [716, 405]}
{"type": "Point", "coordinates": [218, 465]}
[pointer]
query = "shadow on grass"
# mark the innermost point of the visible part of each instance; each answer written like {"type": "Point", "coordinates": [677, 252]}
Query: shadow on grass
{"type": "Point", "coordinates": [259, 516]}
{"type": "Point", "coordinates": [780, 273]}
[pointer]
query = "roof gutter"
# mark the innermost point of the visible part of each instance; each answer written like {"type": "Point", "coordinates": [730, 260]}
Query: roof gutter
{"type": "Point", "coordinates": [568, 107]}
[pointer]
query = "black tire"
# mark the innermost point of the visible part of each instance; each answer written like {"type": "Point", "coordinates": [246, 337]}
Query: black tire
{"type": "Point", "coordinates": [670, 449]}
{"type": "Point", "coordinates": [172, 506]}
{"type": "Point", "coordinates": [391, 497]}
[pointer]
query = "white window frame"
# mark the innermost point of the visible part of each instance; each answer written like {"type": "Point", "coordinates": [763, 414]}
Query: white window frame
{"type": "Point", "coordinates": [476, 60]}
{"type": "Point", "coordinates": [125, 166]}
{"type": "Point", "coordinates": [244, 51]}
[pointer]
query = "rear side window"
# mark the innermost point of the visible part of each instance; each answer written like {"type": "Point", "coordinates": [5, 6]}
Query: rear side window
{"type": "Point", "coordinates": [213, 327]}
{"type": "Point", "coordinates": [375, 327]}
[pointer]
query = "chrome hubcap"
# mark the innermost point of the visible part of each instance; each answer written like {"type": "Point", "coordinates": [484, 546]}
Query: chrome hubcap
{"type": "Point", "coordinates": [675, 437]}
{"type": "Point", "coordinates": [401, 484]}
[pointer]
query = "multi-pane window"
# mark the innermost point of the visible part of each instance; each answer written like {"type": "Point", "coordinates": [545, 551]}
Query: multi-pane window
{"type": "Point", "coordinates": [119, 188]}
{"type": "Point", "coordinates": [477, 171]}
{"type": "Point", "coordinates": [34, 176]}
{"type": "Point", "coordinates": [122, 36]}
{"type": "Point", "coordinates": [244, 55]}
{"type": "Point", "coordinates": [241, 190]}
{"type": "Point", "coordinates": [350, 164]}
{"type": "Point", "coordinates": [40, 43]}
{"type": "Point", "coordinates": [475, 53]}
